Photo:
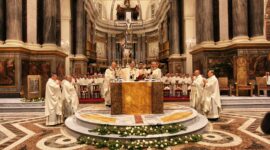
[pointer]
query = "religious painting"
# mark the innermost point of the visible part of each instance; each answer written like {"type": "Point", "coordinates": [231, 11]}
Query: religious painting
{"type": "Point", "coordinates": [242, 72]}
{"type": "Point", "coordinates": [36, 67]}
{"type": "Point", "coordinates": [153, 49]}
{"type": "Point", "coordinates": [7, 72]}
{"type": "Point", "coordinates": [100, 49]}
{"type": "Point", "coordinates": [34, 86]}
{"type": "Point", "coordinates": [60, 70]}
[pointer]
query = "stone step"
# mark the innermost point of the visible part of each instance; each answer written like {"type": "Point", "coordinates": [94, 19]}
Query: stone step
{"type": "Point", "coordinates": [76, 126]}
{"type": "Point", "coordinates": [246, 105]}
{"type": "Point", "coordinates": [22, 109]}
{"type": "Point", "coordinates": [22, 104]}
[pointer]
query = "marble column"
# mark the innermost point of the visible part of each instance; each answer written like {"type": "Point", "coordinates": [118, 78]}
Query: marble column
{"type": "Point", "coordinates": [2, 22]}
{"type": "Point", "coordinates": [204, 22]}
{"type": "Point", "coordinates": [109, 48]}
{"type": "Point", "coordinates": [175, 29]}
{"type": "Point", "coordinates": [165, 27]}
{"type": "Point", "coordinates": [113, 48]}
{"type": "Point", "coordinates": [223, 22]}
{"type": "Point", "coordinates": [14, 22]}
{"type": "Point", "coordinates": [257, 17]}
{"type": "Point", "coordinates": [240, 20]}
{"type": "Point", "coordinates": [32, 23]}
{"type": "Point", "coordinates": [80, 36]}
{"type": "Point", "coordinates": [139, 49]}
{"type": "Point", "coordinates": [143, 54]}
{"type": "Point", "coordinates": [80, 58]}
{"type": "Point", "coordinates": [49, 23]}
{"type": "Point", "coordinates": [66, 36]}
{"type": "Point", "coordinates": [175, 57]}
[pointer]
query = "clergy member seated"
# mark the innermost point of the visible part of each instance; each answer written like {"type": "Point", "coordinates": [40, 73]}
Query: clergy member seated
{"type": "Point", "coordinates": [70, 97]}
{"type": "Point", "coordinates": [155, 72]}
{"type": "Point", "coordinates": [110, 75]}
{"type": "Point", "coordinates": [211, 97]}
{"type": "Point", "coordinates": [53, 102]}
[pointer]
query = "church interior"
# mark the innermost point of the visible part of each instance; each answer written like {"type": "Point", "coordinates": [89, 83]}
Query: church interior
{"type": "Point", "coordinates": [135, 74]}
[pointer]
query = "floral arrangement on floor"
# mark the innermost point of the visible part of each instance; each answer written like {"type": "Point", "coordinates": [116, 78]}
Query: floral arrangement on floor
{"type": "Point", "coordinates": [40, 99]}
{"type": "Point", "coordinates": [161, 143]}
{"type": "Point", "coordinates": [124, 131]}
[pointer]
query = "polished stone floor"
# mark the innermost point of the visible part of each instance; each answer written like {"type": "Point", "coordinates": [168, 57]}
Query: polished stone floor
{"type": "Point", "coordinates": [237, 129]}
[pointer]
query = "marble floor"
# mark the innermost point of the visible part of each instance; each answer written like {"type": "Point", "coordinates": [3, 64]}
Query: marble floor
{"type": "Point", "coordinates": [237, 129]}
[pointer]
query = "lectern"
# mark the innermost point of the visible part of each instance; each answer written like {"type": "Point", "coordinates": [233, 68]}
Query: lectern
{"type": "Point", "coordinates": [136, 98]}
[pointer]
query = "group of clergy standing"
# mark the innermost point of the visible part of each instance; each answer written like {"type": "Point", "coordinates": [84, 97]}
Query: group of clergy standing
{"type": "Point", "coordinates": [61, 97]}
{"type": "Point", "coordinates": [61, 100]}
{"type": "Point", "coordinates": [205, 95]}
{"type": "Point", "coordinates": [130, 73]}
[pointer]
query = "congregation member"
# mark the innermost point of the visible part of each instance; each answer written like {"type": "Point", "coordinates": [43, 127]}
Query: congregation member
{"type": "Point", "coordinates": [110, 74]}
{"type": "Point", "coordinates": [211, 102]}
{"type": "Point", "coordinates": [155, 72]}
{"type": "Point", "coordinates": [196, 90]}
{"type": "Point", "coordinates": [70, 97]}
{"type": "Point", "coordinates": [53, 102]}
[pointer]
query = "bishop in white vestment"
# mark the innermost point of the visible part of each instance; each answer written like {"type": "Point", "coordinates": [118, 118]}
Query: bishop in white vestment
{"type": "Point", "coordinates": [211, 97]}
{"type": "Point", "coordinates": [155, 72]}
{"type": "Point", "coordinates": [69, 94]}
{"type": "Point", "coordinates": [53, 102]}
{"type": "Point", "coordinates": [110, 74]}
{"type": "Point", "coordinates": [196, 91]}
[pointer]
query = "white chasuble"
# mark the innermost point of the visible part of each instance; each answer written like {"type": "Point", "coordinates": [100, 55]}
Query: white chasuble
{"type": "Point", "coordinates": [211, 98]}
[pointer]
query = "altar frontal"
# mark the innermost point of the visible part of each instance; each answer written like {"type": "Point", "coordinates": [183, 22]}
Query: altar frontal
{"type": "Point", "coordinates": [137, 98]}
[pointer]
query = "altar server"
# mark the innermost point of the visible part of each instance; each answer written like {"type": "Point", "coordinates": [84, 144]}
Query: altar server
{"type": "Point", "coordinates": [110, 75]}
{"type": "Point", "coordinates": [53, 102]}
{"type": "Point", "coordinates": [196, 91]}
{"type": "Point", "coordinates": [71, 99]}
{"type": "Point", "coordinates": [211, 97]}
{"type": "Point", "coordinates": [155, 72]}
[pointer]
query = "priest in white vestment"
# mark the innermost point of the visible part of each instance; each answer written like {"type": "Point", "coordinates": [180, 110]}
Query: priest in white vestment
{"type": "Point", "coordinates": [211, 97]}
{"type": "Point", "coordinates": [53, 102]}
{"type": "Point", "coordinates": [155, 72]}
{"type": "Point", "coordinates": [71, 99]}
{"type": "Point", "coordinates": [131, 73]}
{"type": "Point", "coordinates": [110, 74]}
{"type": "Point", "coordinates": [196, 91]}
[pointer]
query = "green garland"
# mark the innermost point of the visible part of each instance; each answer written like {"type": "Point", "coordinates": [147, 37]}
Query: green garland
{"type": "Point", "coordinates": [124, 131]}
{"type": "Point", "coordinates": [40, 99]}
{"type": "Point", "coordinates": [138, 144]}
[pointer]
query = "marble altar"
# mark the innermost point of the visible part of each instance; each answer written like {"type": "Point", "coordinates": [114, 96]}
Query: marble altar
{"type": "Point", "coordinates": [143, 97]}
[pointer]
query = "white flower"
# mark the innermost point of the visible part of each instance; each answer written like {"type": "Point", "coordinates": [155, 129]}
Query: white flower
{"type": "Point", "coordinates": [186, 142]}
{"type": "Point", "coordinates": [151, 142]}
{"type": "Point", "coordinates": [161, 145]}
{"type": "Point", "coordinates": [116, 145]}
{"type": "Point", "coordinates": [175, 143]}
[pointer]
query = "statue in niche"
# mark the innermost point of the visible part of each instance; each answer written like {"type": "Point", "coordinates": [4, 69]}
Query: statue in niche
{"type": "Point", "coordinates": [127, 3]}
